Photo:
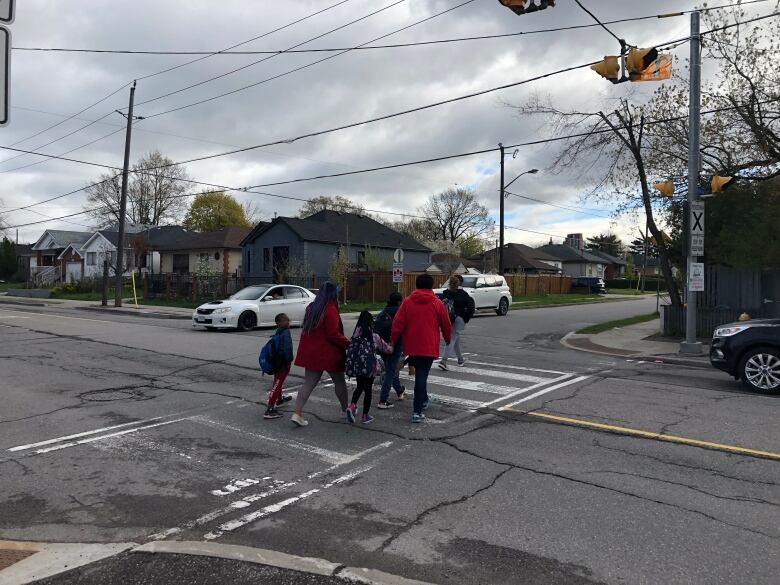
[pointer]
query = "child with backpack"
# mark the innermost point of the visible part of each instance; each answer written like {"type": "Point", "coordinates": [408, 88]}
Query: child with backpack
{"type": "Point", "coordinates": [276, 358]}
{"type": "Point", "coordinates": [363, 365]}
{"type": "Point", "coordinates": [383, 325]}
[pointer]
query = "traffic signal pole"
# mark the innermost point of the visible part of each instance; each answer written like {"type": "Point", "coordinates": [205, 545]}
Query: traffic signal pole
{"type": "Point", "coordinates": [691, 345]}
{"type": "Point", "coordinates": [120, 244]}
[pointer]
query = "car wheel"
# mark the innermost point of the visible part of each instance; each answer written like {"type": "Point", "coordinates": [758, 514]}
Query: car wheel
{"type": "Point", "coordinates": [247, 321]}
{"type": "Point", "coordinates": [503, 307]}
{"type": "Point", "coordinates": [760, 370]}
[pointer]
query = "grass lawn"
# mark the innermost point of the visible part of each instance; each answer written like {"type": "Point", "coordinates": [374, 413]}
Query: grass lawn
{"type": "Point", "coordinates": [358, 306]}
{"type": "Point", "coordinates": [629, 291]}
{"type": "Point", "coordinates": [5, 286]}
{"type": "Point", "coordinates": [607, 325]}
{"type": "Point", "coordinates": [520, 302]}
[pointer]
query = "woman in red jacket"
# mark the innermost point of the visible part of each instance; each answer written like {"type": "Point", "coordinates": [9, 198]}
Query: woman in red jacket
{"type": "Point", "coordinates": [322, 349]}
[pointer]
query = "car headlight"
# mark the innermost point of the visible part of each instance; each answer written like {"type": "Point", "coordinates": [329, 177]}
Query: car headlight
{"type": "Point", "coordinates": [729, 331]}
{"type": "Point", "coordinates": [222, 310]}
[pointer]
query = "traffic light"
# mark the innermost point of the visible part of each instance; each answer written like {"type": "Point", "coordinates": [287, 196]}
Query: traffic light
{"type": "Point", "coordinates": [609, 68]}
{"type": "Point", "coordinates": [719, 183]}
{"type": "Point", "coordinates": [638, 60]}
{"type": "Point", "coordinates": [527, 6]}
{"type": "Point", "coordinates": [665, 188]}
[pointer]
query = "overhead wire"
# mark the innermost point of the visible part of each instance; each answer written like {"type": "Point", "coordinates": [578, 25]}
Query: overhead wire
{"type": "Point", "coordinates": [572, 209]}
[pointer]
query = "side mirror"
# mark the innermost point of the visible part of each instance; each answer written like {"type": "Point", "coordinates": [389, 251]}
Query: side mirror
{"type": "Point", "coordinates": [268, 298]}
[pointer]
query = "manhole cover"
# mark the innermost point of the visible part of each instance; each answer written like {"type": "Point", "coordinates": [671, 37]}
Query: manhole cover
{"type": "Point", "coordinates": [112, 394]}
{"type": "Point", "coordinates": [10, 557]}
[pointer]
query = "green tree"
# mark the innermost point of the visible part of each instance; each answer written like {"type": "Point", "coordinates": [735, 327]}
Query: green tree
{"type": "Point", "coordinates": [8, 265]}
{"type": "Point", "coordinates": [214, 210]}
{"type": "Point", "coordinates": [333, 203]}
{"type": "Point", "coordinates": [471, 245]}
{"type": "Point", "coordinates": [609, 243]}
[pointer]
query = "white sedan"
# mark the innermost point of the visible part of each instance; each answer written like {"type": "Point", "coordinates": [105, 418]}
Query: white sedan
{"type": "Point", "coordinates": [254, 306]}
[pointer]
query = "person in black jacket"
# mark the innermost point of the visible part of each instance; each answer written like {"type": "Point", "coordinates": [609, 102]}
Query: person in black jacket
{"type": "Point", "coordinates": [461, 308]}
{"type": "Point", "coordinates": [383, 325]}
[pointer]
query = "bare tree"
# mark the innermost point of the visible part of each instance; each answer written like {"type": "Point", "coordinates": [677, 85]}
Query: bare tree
{"type": "Point", "coordinates": [609, 150]}
{"type": "Point", "coordinates": [156, 193]}
{"type": "Point", "coordinates": [333, 203]}
{"type": "Point", "coordinates": [3, 223]}
{"type": "Point", "coordinates": [456, 213]}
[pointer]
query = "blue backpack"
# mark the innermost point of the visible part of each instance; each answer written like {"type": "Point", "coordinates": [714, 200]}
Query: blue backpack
{"type": "Point", "coordinates": [361, 357]}
{"type": "Point", "coordinates": [271, 357]}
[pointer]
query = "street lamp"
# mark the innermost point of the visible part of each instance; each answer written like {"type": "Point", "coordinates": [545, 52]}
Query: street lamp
{"type": "Point", "coordinates": [501, 207]}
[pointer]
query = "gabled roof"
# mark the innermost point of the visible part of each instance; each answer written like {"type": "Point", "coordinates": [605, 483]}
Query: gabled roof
{"type": "Point", "coordinates": [74, 247]}
{"type": "Point", "coordinates": [608, 257]}
{"type": "Point", "coordinates": [62, 239]}
{"type": "Point", "coordinates": [522, 256]}
{"type": "Point", "coordinates": [227, 237]}
{"type": "Point", "coordinates": [334, 227]}
{"type": "Point", "coordinates": [566, 253]}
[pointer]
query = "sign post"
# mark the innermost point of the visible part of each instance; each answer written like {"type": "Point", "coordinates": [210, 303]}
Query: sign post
{"type": "Point", "coordinates": [7, 13]}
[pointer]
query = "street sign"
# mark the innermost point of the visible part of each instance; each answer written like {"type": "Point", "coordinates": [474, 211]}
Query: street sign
{"type": "Point", "coordinates": [697, 245]}
{"type": "Point", "coordinates": [398, 272]}
{"type": "Point", "coordinates": [5, 75]}
{"type": "Point", "coordinates": [696, 277]}
{"type": "Point", "coordinates": [697, 218]}
{"type": "Point", "coordinates": [398, 256]}
{"type": "Point", "coordinates": [7, 11]}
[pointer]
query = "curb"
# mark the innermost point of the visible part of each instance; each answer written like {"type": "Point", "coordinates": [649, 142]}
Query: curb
{"type": "Point", "coordinates": [613, 352]}
{"type": "Point", "coordinates": [276, 559]}
{"type": "Point", "coordinates": [4, 301]}
{"type": "Point", "coordinates": [147, 313]}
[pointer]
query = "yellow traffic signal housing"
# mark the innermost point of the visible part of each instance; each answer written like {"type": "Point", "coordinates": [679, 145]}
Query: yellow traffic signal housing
{"type": "Point", "coordinates": [665, 188]}
{"type": "Point", "coordinates": [719, 183]}
{"type": "Point", "coordinates": [526, 6]}
{"type": "Point", "coordinates": [609, 68]}
{"type": "Point", "coordinates": [638, 60]}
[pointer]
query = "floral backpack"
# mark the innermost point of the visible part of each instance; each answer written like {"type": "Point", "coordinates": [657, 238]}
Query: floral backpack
{"type": "Point", "coordinates": [361, 357]}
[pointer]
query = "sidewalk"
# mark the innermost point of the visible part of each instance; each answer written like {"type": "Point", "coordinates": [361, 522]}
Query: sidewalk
{"type": "Point", "coordinates": [177, 563]}
{"type": "Point", "coordinates": [635, 341]}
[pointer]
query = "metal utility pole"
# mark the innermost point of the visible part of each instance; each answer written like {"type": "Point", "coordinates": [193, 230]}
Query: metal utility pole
{"type": "Point", "coordinates": [501, 213]}
{"type": "Point", "coordinates": [691, 345]}
{"type": "Point", "coordinates": [120, 244]}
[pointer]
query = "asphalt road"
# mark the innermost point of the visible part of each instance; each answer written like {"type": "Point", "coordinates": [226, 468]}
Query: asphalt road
{"type": "Point", "coordinates": [122, 429]}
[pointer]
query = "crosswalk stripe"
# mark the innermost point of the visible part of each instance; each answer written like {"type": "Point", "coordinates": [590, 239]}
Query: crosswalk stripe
{"type": "Point", "coordinates": [467, 385]}
{"type": "Point", "coordinates": [495, 365]}
{"type": "Point", "coordinates": [500, 374]}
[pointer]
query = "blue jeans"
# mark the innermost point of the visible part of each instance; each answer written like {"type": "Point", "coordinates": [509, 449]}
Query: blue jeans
{"type": "Point", "coordinates": [422, 366]}
{"type": "Point", "coordinates": [391, 373]}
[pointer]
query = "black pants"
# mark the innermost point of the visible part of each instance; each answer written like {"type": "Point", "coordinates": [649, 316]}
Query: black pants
{"type": "Point", "coordinates": [364, 384]}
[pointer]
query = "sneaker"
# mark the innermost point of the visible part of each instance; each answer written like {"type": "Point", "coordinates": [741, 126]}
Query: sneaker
{"type": "Point", "coordinates": [385, 404]}
{"type": "Point", "coordinates": [443, 366]}
{"type": "Point", "coordinates": [400, 393]}
{"type": "Point", "coordinates": [426, 404]}
{"type": "Point", "coordinates": [284, 399]}
{"type": "Point", "coordinates": [351, 413]}
{"type": "Point", "coordinates": [463, 363]}
{"type": "Point", "coordinates": [367, 419]}
{"type": "Point", "coordinates": [418, 418]}
{"type": "Point", "coordinates": [272, 413]}
{"type": "Point", "coordinates": [299, 420]}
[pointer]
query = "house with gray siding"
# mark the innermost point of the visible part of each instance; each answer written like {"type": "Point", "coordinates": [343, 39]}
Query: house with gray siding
{"type": "Point", "coordinates": [292, 245]}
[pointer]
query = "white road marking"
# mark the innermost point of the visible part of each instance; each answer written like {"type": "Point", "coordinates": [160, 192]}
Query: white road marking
{"type": "Point", "coordinates": [101, 437]}
{"type": "Point", "coordinates": [545, 391]}
{"type": "Point", "coordinates": [246, 501]}
{"type": "Point", "coordinates": [516, 367]}
{"type": "Point", "coordinates": [527, 389]}
{"type": "Point", "coordinates": [53, 316]}
{"type": "Point", "coordinates": [273, 508]}
{"type": "Point", "coordinates": [85, 434]}
{"type": "Point", "coordinates": [466, 384]}
{"type": "Point", "coordinates": [235, 486]}
{"type": "Point", "coordinates": [500, 374]}
{"type": "Point", "coordinates": [14, 317]}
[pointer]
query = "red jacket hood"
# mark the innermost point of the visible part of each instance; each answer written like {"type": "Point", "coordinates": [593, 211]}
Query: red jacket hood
{"type": "Point", "coordinates": [422, 296]}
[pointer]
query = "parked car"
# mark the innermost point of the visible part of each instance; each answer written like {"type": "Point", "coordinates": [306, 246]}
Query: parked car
{"type": "Point", "coordinates": [489, 291]}
{"type": "Point", "coordinates": [254, 306]}
{"type": "Point", "coordinates": [593, 283]}
{"type": "Point", "coordinates": [749, 351]}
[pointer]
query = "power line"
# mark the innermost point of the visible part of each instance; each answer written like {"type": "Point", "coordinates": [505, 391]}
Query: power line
{"type": "Point", "coordinates": [601, 24]}
{"type": "Point", "coordinates": [228, 52]}
{"type": "Point", "coordinates": [573, 209]}
{"type": "Point", "coordinates": [313, 63]}
{"type": "Point", "coordinates": [163, 71]}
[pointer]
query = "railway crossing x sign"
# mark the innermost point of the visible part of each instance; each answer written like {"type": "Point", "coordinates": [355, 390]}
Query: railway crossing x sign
{"type": "Point", "coordinates": [696, 231]}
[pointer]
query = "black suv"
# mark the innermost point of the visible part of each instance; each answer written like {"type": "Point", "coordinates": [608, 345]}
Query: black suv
{"type": "Point", "coordinates": [750, 351]}
{"type": "Point", "coordinates": [594, 283]}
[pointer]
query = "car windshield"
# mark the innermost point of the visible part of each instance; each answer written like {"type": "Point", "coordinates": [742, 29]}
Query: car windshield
{"type": "Point", "coordinates": [469, 282]}
{"type": "Point", "coordinates": [250, 293]}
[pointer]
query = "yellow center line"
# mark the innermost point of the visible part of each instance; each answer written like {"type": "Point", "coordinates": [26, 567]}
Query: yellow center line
{"type": "Point", "coordinates": [655, 436]}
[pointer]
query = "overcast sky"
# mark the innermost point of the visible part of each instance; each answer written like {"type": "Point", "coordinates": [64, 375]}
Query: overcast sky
{"type": "Point", "coordinates": [348, 88]}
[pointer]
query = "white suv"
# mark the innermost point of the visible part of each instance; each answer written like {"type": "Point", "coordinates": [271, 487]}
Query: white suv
{"type": "Point", "coordinates": [489, 291]}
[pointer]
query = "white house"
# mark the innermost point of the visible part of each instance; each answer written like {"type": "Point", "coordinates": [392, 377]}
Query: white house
{"type": "Point", "coordinates": [100, 247]}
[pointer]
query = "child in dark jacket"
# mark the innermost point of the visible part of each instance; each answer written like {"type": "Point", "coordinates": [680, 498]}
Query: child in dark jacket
{"type": "Point", "coordinates": [364, 328]}
{"type": "Point", "coordinates": [275, 396]}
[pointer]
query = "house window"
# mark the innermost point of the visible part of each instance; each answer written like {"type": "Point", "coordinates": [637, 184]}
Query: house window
{"type": "Point", "coordinates": [266, 259]}
{"type": "Point", "coordinates": [91, 258]}
{"type": "Point", "coordinates": [361, 257]}
{"type": "Point", "coordinates": [281, 258]}
{"type": "Point", "coordinates": [249, 260]}
{"type": "Point", "coordinates": [181, 263]}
